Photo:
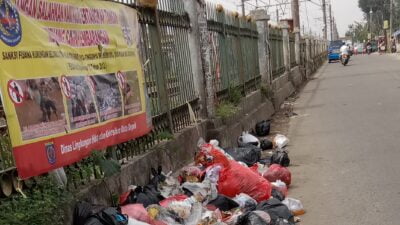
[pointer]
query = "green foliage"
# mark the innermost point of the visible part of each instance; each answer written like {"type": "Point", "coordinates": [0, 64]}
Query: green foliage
{"type": "Point", "coordinates": [164, 135]}
{"type": "Point", "coordinates": [43, 205]}
{"type": "Point", "coordinates": [226, 110]}
{"type": "Point", "coordinates": [234, 95]}
{"type": "Point", "coordinates": [108, 166]}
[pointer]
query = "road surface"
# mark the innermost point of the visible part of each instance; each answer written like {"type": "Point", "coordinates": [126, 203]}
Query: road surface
{"type": "Point", "coordinates": [345, 144]}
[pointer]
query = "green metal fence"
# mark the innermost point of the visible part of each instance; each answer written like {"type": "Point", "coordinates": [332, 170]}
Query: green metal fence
{"type": "Point", "coordinates": [234, 51]}
{"type": "Point", "coordinates": [292, 46]}
{"type": "Point", "coordinates": [276, 48]}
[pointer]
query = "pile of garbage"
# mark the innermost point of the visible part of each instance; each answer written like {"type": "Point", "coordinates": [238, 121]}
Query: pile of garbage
{"type": "Point", "coordinates": [232, 186]}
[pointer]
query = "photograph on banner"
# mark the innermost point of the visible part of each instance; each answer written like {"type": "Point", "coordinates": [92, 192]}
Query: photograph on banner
{"type": "Point", "coordinates": [108, 96]}
{"type": "Point", "coordinates": [80, 101]}
{"type": "Point", "coordinates": [40, 109]}
{"type": "Point", "coordinates": [129, 84]}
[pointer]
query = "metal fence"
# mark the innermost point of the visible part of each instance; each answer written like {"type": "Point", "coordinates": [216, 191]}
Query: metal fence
{"type": "Point", "coordinates": [234, 51]}
{"type": "Point", "coordinates": [292, 47]}
{"type": "Point", "coordinates": [276, 48]}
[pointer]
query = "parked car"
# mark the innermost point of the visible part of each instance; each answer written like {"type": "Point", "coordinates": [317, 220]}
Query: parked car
{"type": "Point", "coordinates": [334, 50]}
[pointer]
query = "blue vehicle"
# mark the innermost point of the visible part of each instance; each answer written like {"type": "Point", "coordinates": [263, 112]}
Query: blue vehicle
{"type": "Point", "coordinates": [334, 50]}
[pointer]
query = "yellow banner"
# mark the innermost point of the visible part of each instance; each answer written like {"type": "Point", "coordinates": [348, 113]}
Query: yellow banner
{"type": "Point", "coordinates": [67, 67]}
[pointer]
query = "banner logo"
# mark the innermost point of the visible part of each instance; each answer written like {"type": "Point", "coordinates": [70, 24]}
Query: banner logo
{"type": "Point", "coordinates": [10, 25]}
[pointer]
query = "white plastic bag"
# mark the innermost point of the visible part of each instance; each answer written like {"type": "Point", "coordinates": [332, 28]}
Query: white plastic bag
{"type": "Point", "coordinates": [132, 221]}
{"type": "Point", "coordinates": [247, 138]}
{"type": "Point", "coordinates": [294, 206]}
{"type": "Point", "coordinates": [280, 141]}
{"type": "Point", "coordinates": [212, 174]}
{"type": "Point", "coordinates": [245, 201]}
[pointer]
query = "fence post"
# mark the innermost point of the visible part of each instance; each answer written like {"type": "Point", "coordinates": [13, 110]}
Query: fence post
{"type": "Point", "coordinates": [192, 8]}
{"type": "Point", "coordinates": [308, 57]}
{"type": "Point", "coordinates": [286, 46]}
{"type": "Point", "coordinates": [205, 57]}
{"type": "Point", "coordinates": [297, 45]}
{"type": "Point", "coordinates": [261, 17]}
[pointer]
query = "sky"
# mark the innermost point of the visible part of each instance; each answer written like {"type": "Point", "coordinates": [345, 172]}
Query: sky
{"type": "Point", "coordinates": [344, 11]}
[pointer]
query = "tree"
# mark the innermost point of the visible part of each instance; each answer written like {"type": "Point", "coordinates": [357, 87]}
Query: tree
{"type": "Point", "coordinates": [381, 12]}
{"type": "Point", "coordinates": [358, 31]}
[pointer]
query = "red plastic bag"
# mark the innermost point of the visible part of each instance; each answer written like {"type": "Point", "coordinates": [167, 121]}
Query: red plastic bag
{"type": "Point", "coordinates": [165, 202]}
{"type": "Point", "coordinates": [277, 172]}
{"type": "Point", "coordinates": [137, 212]}
{"type": "Point", "coordinates": [237, 179]}
{"type": "Point", "coordinates": [210, 155]}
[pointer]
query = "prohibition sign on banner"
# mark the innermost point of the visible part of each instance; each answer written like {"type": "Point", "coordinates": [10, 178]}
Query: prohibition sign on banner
{"type": "Point", "coordinates": [121, 80]}
{"type": "Point", "coordinates": [15, 91]}
{"type": "Point", "coordinates": [65, 86]}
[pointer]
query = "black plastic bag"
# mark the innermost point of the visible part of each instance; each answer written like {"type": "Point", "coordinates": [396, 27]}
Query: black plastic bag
{"type": "Point", "coordinates": [281, 157]}
{"type": "Point", "coordinates": [277, 210]}
{"type": "Point", "coordinates": [223, 203]}
{"type": "Point", "coordinates": [111, 216]}
{"type": "Point", "coordinates": [254, 218]}
{"type": "Point", "coordinates": [83, 211]}
{"type": "Point", "coordinates": [277, 194]}
{"type": "Point", "coordinates": [266, 144]}
{"type": "Point", "coordinates": [147, 195]}
{"type": "Point", "coordinates": [249, 154]}
{"type": "Point", "coordinates": [263, 128]}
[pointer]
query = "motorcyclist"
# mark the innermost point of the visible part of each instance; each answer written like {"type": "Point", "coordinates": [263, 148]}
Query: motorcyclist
{"type": "Point", "coordinates": [344, 50]}
{"type": "Point", "coordinates": [368, 46]}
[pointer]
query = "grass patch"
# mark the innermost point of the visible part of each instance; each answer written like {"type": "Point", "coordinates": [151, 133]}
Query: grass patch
{"type": "Point", "coordinates": [226, 110]}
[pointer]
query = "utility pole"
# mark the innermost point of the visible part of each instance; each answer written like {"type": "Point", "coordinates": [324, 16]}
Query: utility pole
{"type": "Point", "coordinates": [277, 14]}
{"type": "Point", "coordinates": [370, 23]}
{"type": "Point", "coordinates": [391, 20]}
{"type": "Point", "coordinates": [331, 20]}
{"type": "Point", "coordinates": [296, 14]}
{"type": "Point", "coordinates": [243, 8]}
{"type": "Point", "coordinates": [324, 15]}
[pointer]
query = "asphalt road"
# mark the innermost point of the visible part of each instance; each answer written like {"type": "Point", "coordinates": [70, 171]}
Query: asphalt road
{"type": "Point", "coordinates": [345, 144]}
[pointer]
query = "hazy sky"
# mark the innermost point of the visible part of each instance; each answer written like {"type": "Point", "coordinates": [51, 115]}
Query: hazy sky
{"type": "Point", "coordinates": [345, 12]}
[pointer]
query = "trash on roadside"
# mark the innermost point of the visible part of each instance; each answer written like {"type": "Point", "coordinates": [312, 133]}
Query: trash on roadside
{"type": "Point", "coordinates": [280, 186]}
{"type": "Point", "coordinates": [167, 201]}
{"type": "Point", "coordinates": [277, 194]}
{"type": "Point", "coordinates": [280, 141]}
{"type": "Point", "coordinates": [277, 172]}
{"type": "Point", "coordinates": [254, 218]}
{"type": "Point", "coordinates": [212, 173]}
{"type": "Point", "coordinates": [245, 202]}
{"type": "Point", "coordinates": [281, 157]}
{"type": "Point", "coordinates": [277, 210]}
{"type": "Point", "coordinates": [263, 128]}
{"type": "Point", "coordinates": [294, 206]}
{"type": "Point", "coordinates": [266, 144]}
{"type": "Point", "coordinates": [246, 138]}
{"type": "Point", "coordinates": [190, 174]}
{"type": "Point", "coordinates": [248, 155]}
{"type": "Point", "coordinates": [223, 203]}
{"type": "Point", "coordinates": [137, 212]}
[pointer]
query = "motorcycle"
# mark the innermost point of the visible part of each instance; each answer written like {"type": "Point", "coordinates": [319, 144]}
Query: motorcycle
{"type": "Point", "coordinates": [344, 59]}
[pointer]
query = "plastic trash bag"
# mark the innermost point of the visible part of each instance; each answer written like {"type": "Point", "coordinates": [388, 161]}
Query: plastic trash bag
{"type": "Point", "coordinates": [254, 218]}
{"type": "Point", "coordinates": [83, 211]}
{"type": "Point", "coordinates": [223, 203]}
{"type": "Point", "coordinates": [263, 128]}
{"type": "Point", "coordinates": [294, 206]}
{"type": "Point", "coordinates": [203, 192]}
{"type": "Point", "coordinates": [236, 179]}
{"type": "Point", "coordinates": [248, 155]}
{"type": "Point", "coordinates": [111, 216]}
{"type": "Point", "coordinates": [132, 221]}
{"type": "Point", "coordinates": [170, 187]}
{"type": "Point", "coordinates": [246, 139]}
{"type": "Point", "coordinates": [181, 208]}
{"type": "Point", "coordinates": [276, 210]}
{"type": "Point", "coordinates": [280, 141]}
{"type": "Point", "coordinates": [191, 174]}
{"type": "Point", "coordinates": [159, 213]}
{"type": "Point", "coordinates": [245, 202]}
{"type": "Point", "coordinates": [167, 201]}
{"type": "Point", "coordinates": [212, 173]}
{"type": "Point", "coordinates": [280, 186]}
{"type": "Point", "coordinates": [281, 157]}
{"type": "Point", "coordinates": [137, 212]}
{"type": "Point", "coordinates": [277, 172]}
{"type": "Point", "coordinates": [195, 214]}
{"type": "Point", "coordinates": [277, 194]}
{"type": "Point", "coordinates": [266, 144]}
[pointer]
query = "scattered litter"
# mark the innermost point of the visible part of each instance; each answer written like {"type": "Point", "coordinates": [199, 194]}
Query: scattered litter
{"type": "Point", "coordinates": [277, 172]}
{"type": "Point", "coordinates": [266, 144]}
{"type": "Point", "coordinates": [263, 128]}
{"type": "Point", "coordinates": [246, 138]}
{"type": "Point", "coordinates": [280, 141]}
{"type": "Point", "coordinates": [248, 155]}
{"type": "Point", "coordinates": [294, 206]}
{"type": "Point", "coordinates": [281, 157]}
{"type": "Point", "coordinates": [280, 186]}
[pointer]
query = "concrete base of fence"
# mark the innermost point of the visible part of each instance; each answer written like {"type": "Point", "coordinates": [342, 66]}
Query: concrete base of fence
{"type": "Point", "coordinates": [282, 88]}
{"type": "Point", "coordinates": [255, 108]}
{"type": "Point", "coordinates": [296, 77]}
